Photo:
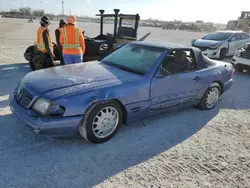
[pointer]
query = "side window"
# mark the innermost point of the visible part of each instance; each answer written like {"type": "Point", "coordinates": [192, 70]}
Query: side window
{"type": "Point", "coordinates": [237, 37]}
{"type": "Point", "coordinates": [244, 36]}
{"type": "Point", "coordinates": [178, 61]}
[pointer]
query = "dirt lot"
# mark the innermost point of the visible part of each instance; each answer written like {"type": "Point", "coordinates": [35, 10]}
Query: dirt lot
{"type": "Point", "coordinates": [188, 148]}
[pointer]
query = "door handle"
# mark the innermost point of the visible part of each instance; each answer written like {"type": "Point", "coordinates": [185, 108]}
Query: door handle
{"type": "Point", "coordinates": [197, 78]}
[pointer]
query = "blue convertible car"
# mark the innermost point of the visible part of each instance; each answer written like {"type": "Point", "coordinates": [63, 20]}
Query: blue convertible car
{"type": "Point", "coordinates": [138, 80]}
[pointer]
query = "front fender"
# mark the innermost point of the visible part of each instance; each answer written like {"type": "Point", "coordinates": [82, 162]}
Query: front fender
{"type": "Point", "coordinates": [131, 92]}
{"type": "Point", "coordinates": [77, 104]}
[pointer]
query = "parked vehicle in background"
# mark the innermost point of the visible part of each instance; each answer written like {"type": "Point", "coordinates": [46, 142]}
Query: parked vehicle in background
{"type": "Point", "coordinates": [138, 80]}
{"type": "Point", "coordinates": [169, 26]}
{"type": "Point", "coordinates": [242, 23]}
{"type": "Point", "coordinates": [189, 27]}
{"type": "Point", "coordinates": [220, 44]}
{"type": "Point", "coordinates": [241, 59]}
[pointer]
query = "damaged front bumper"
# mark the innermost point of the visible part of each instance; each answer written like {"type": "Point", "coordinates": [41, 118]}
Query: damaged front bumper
{"type": "Point", "coordinates": [213, 54]}
{"type": "Point", "coordinates": [53, 126]}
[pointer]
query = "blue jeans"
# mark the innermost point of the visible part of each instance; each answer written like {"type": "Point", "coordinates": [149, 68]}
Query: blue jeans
{"type": "Point", "coordinates": [71, 59]}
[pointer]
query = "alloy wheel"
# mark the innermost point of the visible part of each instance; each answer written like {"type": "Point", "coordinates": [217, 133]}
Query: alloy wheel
{"type": "Point", "coordinates": [105, 122]}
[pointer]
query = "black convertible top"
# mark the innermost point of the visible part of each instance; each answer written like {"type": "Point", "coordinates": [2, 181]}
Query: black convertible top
{"type": "Point", "coordinates": [201, 61]}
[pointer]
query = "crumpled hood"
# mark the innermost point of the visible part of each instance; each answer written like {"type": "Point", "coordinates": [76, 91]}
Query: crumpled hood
{"type": "Point", "coordinates": [65, 79]}
{"type": "Point", "coordinates": [205, 43]}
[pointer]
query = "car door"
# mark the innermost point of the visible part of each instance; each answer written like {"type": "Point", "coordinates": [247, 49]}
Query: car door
{"type": "Point", "coordinates": [234, 44]}
{"type": "Point", "coordinates": [175, 88]}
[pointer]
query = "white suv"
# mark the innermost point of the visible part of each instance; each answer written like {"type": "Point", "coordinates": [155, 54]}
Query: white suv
{"type": "Point", "coordinates": [241, 59]}
{"type": "Point", "coordinates": [220, 44]}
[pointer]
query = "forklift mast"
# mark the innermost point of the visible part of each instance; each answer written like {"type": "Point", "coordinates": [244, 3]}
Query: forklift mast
{"type": "Point", "coordinates": [117, 16]}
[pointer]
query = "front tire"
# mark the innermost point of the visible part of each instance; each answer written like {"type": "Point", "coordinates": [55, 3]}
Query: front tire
{"type": "Point", "coordinates": [101, 122]}
{"type": "Point", "coordinates": [223, 53]}
{"type": "Point", "coordinates": [248, 71]}
{"type": "Point", "coordinates": [210, 97]}
{"type": "Point", "coordinates": [238, 69]}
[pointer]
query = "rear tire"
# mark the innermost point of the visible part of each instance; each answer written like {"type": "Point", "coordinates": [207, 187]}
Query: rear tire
{"type": "Point", "coordinates": [36, 61]}
{"type": "Point", "coordinates": [101, 122]}
{"type": "Point", "coordinates": [223, 53]}
{"type": "Point", "coordinates": [210, 97]}
{"type": "Point", "coordinates": [28, 53]}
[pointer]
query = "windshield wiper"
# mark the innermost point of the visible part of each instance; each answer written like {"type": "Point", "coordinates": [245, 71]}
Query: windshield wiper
{"type": "Point", "coordinates": [123, 67]}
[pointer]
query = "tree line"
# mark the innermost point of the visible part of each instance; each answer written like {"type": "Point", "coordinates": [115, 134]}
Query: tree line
{"type": "Point", "coordinates": [25, 12]}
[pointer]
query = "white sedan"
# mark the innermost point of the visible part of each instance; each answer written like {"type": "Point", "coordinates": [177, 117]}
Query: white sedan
{"type": "Point", "coordinates": [220, 44]}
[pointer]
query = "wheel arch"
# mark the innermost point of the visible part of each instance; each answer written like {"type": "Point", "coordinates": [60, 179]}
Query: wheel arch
{"type": "Point", "coordinates": [226, 48]}
{"type": "Point", "coordinates": [125, 113]}
{"type": "Point", "coordinates": [221, 85]}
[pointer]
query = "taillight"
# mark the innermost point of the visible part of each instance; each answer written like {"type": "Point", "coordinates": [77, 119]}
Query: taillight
{"type": "Point", "coordinates": [231, 74]}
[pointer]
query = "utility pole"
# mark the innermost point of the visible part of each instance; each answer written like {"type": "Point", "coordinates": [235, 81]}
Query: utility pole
{"type": "Point", "coordinates": [62, 8]}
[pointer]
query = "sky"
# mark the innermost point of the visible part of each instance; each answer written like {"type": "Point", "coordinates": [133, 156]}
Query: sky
{"type": "Point", "coordinates": [218, 11]}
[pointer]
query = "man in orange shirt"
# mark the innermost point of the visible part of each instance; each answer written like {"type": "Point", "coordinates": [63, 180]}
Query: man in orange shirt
{"type": "Point", "coordinates": [72, 41]}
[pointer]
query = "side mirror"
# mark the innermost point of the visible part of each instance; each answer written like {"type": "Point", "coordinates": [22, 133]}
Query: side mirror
{"type": "Point", "coordinates": [192, 42]}
{"type": "Point", "coordinates": [159, 75]}
{"type": "Point", "coordinates": [232, 39]}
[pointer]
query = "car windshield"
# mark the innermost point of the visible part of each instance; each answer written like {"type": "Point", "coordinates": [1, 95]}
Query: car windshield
{"type": "Point", "coordinates": [217, 36]}
{"type": "Point", "coordinates": [134, 58]}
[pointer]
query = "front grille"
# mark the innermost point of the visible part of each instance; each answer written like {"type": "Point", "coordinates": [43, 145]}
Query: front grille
{"type": "Point", "coordinates": [201, 48]}
{"type": "Point", "coordinates": [24, 98]}
{"type": "Point", "coordinates": [245, 54]}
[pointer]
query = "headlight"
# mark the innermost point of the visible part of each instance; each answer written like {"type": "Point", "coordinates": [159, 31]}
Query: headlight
{"type": "Point", "coordinates": [237, 53]}
{"type": "Point", "coordinates": [215, 46]}
{"type": "Point", "coordinates": [41, 106]}
{"type": "Point", "coordinates": [47, 108]}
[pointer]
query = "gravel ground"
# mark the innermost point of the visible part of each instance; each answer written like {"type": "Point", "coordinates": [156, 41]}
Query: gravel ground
{"type": "Point", "coordinates": [188, 148]}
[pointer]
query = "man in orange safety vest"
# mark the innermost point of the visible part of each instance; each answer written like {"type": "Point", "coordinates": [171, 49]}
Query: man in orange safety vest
{"type": "Point", "coordinates": [72, 41]}
{"type": "Point", "coordinates": [44, 42]}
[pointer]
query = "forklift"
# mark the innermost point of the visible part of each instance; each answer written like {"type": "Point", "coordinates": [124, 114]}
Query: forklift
{"type": "Point", "coordinates": [99, 46]}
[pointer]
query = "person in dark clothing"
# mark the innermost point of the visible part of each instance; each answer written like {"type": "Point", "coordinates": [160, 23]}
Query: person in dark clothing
{"type": "Point", "coordinates": [44, 42]}
{"type": "Point", "coordinates": [62, 24]}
